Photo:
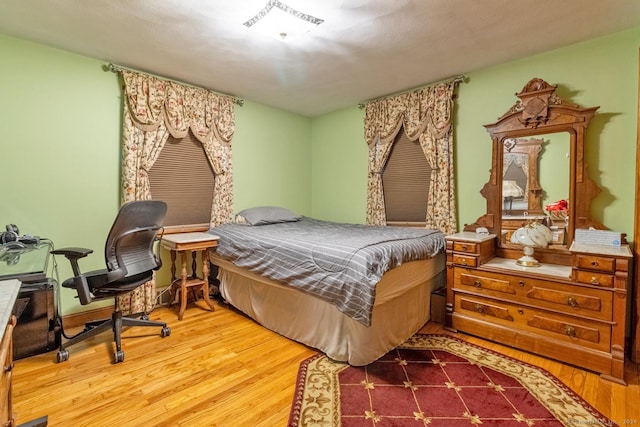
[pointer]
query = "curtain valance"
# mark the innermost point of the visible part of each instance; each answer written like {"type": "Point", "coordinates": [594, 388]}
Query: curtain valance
{"type": "Point", "coordinates": [152, 101]}
{"type": "Point", "coordinates": [429, 107]}
{"type": "Point", "coordinates": [154, 109]}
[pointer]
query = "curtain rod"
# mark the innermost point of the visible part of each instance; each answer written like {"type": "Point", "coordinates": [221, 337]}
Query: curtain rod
{"type": "Point", "coordinates": [458, 79]}
{"type": "Point", "coordinates": [117, 68]}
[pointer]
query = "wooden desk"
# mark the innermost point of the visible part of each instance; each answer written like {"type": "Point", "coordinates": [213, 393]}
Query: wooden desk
{"type": "Point", "coordinates": [183, 243]}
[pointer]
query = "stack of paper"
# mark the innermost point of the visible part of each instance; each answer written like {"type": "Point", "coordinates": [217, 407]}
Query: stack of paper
{"type": "Point", "coordinates": [598, 237]}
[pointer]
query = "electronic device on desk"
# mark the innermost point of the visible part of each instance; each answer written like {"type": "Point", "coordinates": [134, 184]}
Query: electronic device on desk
{"type": "Point", "coordinates": [12, 237]}
{"type": "Point", "coordinates": [13, 244]}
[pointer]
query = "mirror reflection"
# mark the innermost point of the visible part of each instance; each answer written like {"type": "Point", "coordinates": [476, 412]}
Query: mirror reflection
{"type": "Point", "coordinates": [535, 182]}
{"type": "Point", "coordinates": [520, 187]}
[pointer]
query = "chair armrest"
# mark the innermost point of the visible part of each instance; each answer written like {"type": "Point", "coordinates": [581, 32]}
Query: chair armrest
{"type": "Point", "coordinates": [72, 252]}
{"type": "Point", "coordinates": [73, 255]}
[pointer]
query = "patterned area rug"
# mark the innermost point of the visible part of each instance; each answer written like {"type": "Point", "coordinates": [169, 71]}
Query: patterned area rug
{"type": "Point", "coordinates": [436, 380]}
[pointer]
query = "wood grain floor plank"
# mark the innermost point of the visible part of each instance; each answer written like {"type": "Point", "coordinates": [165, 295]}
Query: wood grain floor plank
{"type": "Point", "coordinates": [219, 369]}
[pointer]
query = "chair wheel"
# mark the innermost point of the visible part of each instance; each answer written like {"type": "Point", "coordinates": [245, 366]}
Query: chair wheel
{"type": "Point", "coordinates": [118, 356]}
{"type": "Point", "coordinates": [62, 356]}
{"type": "Point", "coordinates": [144, 317]}
{"type": "Point", "coordinates": [166, 331]}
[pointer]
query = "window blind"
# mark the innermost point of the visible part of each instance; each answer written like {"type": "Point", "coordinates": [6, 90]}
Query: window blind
{"type": "Point", "coordinates": [405, 181]}
{"type": "Point", "coordinates": [184, 179]}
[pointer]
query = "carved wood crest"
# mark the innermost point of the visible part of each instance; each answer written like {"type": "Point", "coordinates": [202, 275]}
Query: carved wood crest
{"type": "Point", "coordinates": [535, 98]}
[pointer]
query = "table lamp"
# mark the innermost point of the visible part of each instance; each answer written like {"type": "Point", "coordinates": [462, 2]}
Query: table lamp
{"type": "Point", "coordinates": [531, 235]}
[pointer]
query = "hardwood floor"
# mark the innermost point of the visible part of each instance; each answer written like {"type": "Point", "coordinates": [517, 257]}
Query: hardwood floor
{"type": "Point", "coordinates": [219, 369]}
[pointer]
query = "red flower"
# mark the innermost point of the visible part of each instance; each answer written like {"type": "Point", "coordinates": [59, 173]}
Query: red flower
{"type": "Point", "coordinates": [560, 205]}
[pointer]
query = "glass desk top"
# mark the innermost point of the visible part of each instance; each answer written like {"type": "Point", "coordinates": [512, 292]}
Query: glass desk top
{"type": "Point", "coordinates": [27, 264]}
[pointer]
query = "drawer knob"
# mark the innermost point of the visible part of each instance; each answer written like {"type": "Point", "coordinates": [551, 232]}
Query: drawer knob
{"type": "Point", "coordinates": [594, 263]}
{"type": "Point", "coordinates": [477, 283]}
{"type": "Point", "coordinates": [464, 247]}
{"type": "Point", "coordinates": [520, 283]}
{"type": "Point", "coordinates": [464, 261]}
{"type": "Point", "coordinates": [570, 331]}
{"type": "Point", "coordinates": [480, 308]}
{"type": "Point", "coordinates": [520, 311]}
{"type": "Point", "coordinates": [572, 302]}
{"type": "Point", "coordinates": [595, 281]}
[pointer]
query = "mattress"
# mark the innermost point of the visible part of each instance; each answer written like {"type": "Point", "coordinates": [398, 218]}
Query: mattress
{"type": "Point", "coordinates": [401, 308]}
{"type": "Point", "coordinates": [337, 262]}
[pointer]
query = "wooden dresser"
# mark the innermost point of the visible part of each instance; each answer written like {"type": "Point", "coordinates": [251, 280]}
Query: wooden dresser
{"type": "Point", "coordinates": [8, 293]}
{"type": "Point", "coordinates": [6, 362]}
{"type": "Point", "coordinates": [572, 313]}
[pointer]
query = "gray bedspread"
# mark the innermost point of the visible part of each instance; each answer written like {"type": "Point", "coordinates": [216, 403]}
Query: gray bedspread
{"type": "Point", "coordinates": [339, 263]}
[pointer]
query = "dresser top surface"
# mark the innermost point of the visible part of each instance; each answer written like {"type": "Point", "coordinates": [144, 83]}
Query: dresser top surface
{"type": "Point", "coordinates": [470, 236]}
{"type": "Point", "coordinates": [556, 270]}
{"type": "Point", "coordinates": [622, 250]}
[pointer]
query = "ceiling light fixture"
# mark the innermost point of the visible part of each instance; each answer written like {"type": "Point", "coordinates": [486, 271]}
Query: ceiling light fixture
{"type": "Point", "coordinates": [281, 21]}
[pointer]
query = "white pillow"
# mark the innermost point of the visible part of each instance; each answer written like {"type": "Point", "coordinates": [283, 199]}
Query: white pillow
{"type": "Point", "coordinates": [262, 215]}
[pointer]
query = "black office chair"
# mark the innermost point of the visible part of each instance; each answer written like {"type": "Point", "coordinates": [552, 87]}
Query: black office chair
{"type": "Point", "coordinates": [130, 259]}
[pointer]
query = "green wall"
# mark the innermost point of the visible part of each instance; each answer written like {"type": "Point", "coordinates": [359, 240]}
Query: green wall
{"type": "Point", "coordinates": [60, 144]}
{"type": "Point", "coordinates": [601, 72]}
{"type": "Point", "coordinates": [271, 159]}
{"type": "Point", "coordinates": [59, 116]}
{"type": "Point", "coordinates": [339, 165]}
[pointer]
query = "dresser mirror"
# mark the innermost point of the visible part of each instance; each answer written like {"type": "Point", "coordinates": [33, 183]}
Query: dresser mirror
{"type": "Point", "coordinates": [551, 131]}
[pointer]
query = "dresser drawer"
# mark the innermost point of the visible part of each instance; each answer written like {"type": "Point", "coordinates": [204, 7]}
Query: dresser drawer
{"type": "Point", "coordinates": [464, 260]}
{"type": "Point", "coordinates": [467, 247]}
{"type": "Point", "coordinates": [528, 320]}
{"type": "Point", "coordinates": [575, 302]}
{"type": "Point", "coordinates": [591, 262]}
{"type": "Point", "coordinates": [468, 279]}
{"type": "Point", "coordinates": [568, 328]}
{"type": "Point", "coordinates": [593, 278]}
{"type": "Point", "coordinates": [565, 298]}
{"type": "Point", "coordinates": [486, 308]}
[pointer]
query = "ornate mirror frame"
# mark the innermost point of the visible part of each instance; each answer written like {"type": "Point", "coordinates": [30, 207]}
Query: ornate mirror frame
{"type": "Point", "coordinates": [539, 111]}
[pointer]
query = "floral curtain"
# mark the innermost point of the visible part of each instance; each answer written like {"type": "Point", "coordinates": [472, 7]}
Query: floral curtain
{"type": "Point", "coordinates": [426, 116]}
{"type": "Point", "coordinates": [154, 109]}
{"type": "Point", "coordinates": [520, 161]}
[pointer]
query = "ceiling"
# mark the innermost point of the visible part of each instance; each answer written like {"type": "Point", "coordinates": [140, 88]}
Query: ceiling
{"type": "Point", "coordinates": [363, 50]}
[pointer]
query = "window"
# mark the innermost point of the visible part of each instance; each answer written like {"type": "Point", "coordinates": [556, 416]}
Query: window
{"type": "Point", "coordinates": [184, 179]}
{"type": "Point", "coordinates": [405, 182]}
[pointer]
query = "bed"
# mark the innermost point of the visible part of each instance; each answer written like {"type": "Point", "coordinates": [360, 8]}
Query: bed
{"type": "Point", "coordinates": [351, 291]}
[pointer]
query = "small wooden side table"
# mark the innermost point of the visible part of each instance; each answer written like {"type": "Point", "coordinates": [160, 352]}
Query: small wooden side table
{"type": "Point", "coordinates": [183, 243]}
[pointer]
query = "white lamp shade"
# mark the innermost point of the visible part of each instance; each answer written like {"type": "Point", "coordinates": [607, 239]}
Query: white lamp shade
{"type": "Point", "coordinates": [534, 234]}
